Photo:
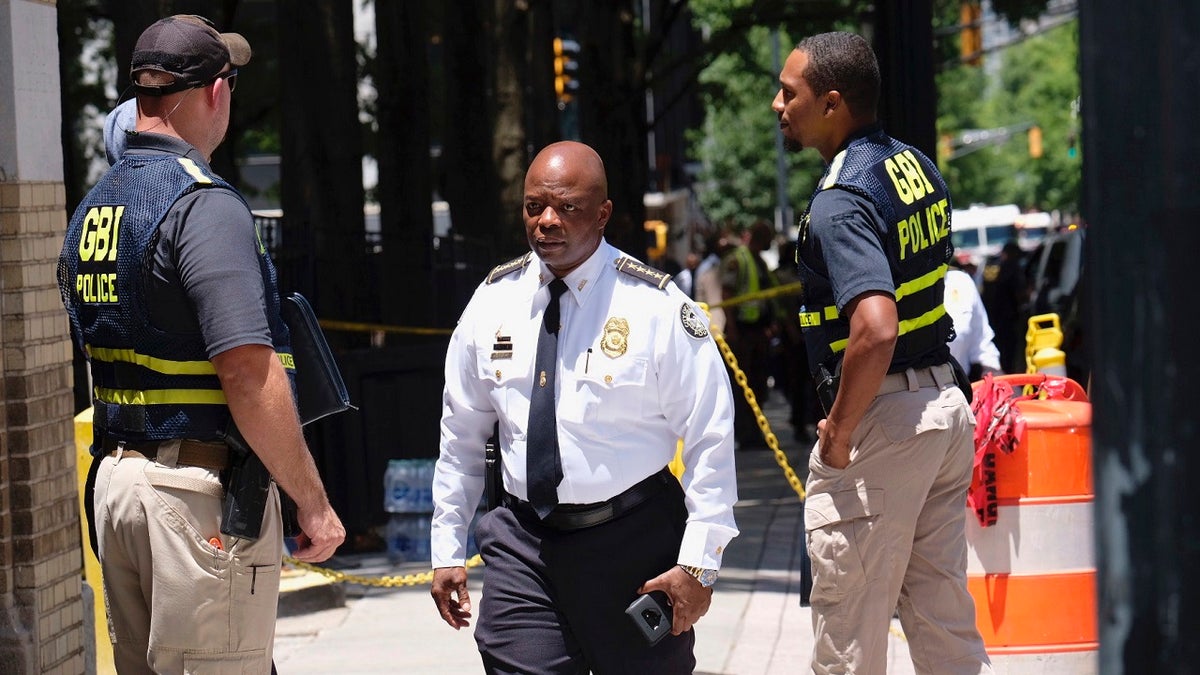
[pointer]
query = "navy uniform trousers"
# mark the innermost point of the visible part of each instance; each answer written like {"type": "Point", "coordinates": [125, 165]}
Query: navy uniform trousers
{"type": "Point", "coordinates": [554, 601]}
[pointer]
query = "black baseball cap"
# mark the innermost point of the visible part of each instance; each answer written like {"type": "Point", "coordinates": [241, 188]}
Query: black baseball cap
{"type": "Point", "coordinates": [188, 47]}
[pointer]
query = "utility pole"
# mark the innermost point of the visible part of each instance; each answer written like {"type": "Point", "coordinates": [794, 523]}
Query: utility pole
{"type": "Point", "coordinates": [1142, 202]}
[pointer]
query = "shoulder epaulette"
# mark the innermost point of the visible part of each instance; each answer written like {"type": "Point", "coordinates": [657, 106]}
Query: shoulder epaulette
{"type": "Point", "coordinates": [644, 272]}
{"type": "Point", "coordinates": [508, 267]}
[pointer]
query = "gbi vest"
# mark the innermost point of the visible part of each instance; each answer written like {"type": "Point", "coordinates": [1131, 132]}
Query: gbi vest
{"type": "Point", "coordinates": [148, 384]}
{"type": "Point", "coordinates": [909, 193]}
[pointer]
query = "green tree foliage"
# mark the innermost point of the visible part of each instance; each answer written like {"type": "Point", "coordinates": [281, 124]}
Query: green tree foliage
{"type": "Point", "coordinates": [1036, 82]}
{"type": "Point", "coordinates": [1033, 81]}
{"type": "Point", "coordinates": [83, 97]}
{"type": "Point", "coordinates": [736, 147]}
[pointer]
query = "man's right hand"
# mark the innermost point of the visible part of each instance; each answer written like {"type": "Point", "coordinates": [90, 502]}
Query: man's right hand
{"type": "Point", "coordinates": [321, 533]}
{"type": "Point", "coordinates": [450, 594]}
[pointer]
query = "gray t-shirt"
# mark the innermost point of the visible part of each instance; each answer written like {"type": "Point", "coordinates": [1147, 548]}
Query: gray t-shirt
{"type": "Point", "coordinates": [206, 275]}
{"type": "Point", "coordinates": [848, 234]}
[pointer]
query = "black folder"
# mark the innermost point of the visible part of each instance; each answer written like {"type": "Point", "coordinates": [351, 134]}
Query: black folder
{"type": "Point", "coordinates": [320, 391]}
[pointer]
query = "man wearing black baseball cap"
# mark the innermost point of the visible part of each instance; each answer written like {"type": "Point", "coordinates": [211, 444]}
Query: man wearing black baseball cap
{"type": "Point", "coordinates": [189, 49]}
{"type": "Point", "coordinates": [174, 299]}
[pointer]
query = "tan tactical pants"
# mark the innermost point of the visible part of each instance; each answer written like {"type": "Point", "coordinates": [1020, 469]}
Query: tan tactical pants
{"type": "Point", "coordinates": [177, 603]}
{"type": "Point", "coordinates": [888, 532]}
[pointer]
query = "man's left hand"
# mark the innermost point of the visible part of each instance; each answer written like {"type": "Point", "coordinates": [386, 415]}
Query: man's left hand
{"type": "Point", "coordinates": [689, 600]}
{"type": "Point", "coordinates": [832, 446]}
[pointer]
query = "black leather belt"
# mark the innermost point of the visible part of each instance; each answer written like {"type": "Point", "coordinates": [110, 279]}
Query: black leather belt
{"type": "Point", "coordinates": [578, 516]}
{"type": "Point", "coordinates": [191, 453]}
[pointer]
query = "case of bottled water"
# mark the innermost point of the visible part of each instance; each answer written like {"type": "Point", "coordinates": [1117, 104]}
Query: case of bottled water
{"type": "Point", "coordinates": [408, 537]}
{"type": "Point", "coordinates": [408, 497]}
{"type": "Point", "coordinates": [408, 486]}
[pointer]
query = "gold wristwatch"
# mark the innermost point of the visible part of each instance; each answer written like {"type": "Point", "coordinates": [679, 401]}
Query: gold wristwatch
{"type": "Point", "coordinates": [706, 577]}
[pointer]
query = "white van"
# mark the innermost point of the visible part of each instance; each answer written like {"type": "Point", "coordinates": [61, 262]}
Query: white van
{"type": "Point", "coordinates": [981, 231]}
{"type": "Point", "coordinates": [1032, 228]}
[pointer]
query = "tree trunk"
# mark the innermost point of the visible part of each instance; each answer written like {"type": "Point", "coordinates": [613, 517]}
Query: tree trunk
{"type": "Point", "coordinates": [321, 167]}
{"type": "Point", "coordinates": [904, 46]}
{"type": "Point", "coordinates": [510, 143]}
{"type": "Point", "coordinates": [405, 186]}
{"type": "Point", "coordinates": [612, 116]}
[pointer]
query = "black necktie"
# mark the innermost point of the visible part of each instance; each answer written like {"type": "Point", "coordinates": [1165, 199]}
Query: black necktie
{"type": "Point", "coordinates": [543, 466]}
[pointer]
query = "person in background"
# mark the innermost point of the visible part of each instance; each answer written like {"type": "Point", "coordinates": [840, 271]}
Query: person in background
{"type": "Point", "coordinates": [1005, 294]}
{"type": "Point", "coordinates": [707, 285]}
{"type": "Point", "coordinates": [593, 366]}
{"type": "Point", "coordinates": [119, 124]}
{"type": "Point", "coordinates": [170, 295]}
{"type": "Point", "coordinates": [744, 272]}
{"type": "Point", "coordinates": [888, 477]}
{"type": "Point", "coordinates": [792, 376]}
{"type": "Point", "coordinates": [686, 278]}
{"type": "Point", "coordinates": [972, 345]}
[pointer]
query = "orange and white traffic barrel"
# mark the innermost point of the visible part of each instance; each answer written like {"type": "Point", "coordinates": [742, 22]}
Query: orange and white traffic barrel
{"type": "Point", "coordinates": [1033, 573]}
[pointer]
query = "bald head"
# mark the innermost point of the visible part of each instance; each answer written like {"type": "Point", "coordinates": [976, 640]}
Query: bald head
{"type": "Point", "coordinates": [577, 160]}
{"type": "Point", "coordinates": [566, 205]}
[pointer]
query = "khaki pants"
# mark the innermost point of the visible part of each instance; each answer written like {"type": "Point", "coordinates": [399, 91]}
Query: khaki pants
{"type": "Point", "coordinates": [888, 532]}
{"type": "Point", "coordinates": [176, 603]}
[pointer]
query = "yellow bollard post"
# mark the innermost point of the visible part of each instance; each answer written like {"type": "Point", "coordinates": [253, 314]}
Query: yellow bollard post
{"type": "Point", "coordinates": [676, 465]}
{"type": "Point", "coordinates": [1042, 342]}
{"type": "Point", "coordinates": [91, 566]}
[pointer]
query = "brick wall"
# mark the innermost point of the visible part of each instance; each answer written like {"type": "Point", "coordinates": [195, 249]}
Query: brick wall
{"type": "Point", "coordinates": [41, 629]}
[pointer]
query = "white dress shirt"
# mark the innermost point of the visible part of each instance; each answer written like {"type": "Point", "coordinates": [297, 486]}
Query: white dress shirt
{"type": "Point", "coordinates": [973, 341]}
{"type": "Point", "coordinates": [623, 401]}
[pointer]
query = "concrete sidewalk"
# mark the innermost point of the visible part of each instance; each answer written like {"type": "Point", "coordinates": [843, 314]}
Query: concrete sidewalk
{"type": "Point", "coordinates": [754, 626]}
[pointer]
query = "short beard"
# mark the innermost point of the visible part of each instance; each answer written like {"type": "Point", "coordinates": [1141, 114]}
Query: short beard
{"type": "Point", "coordinates": [792, 145]}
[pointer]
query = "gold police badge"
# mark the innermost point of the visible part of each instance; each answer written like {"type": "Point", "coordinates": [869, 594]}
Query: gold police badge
{"type": "Point", "coordinates": [616, 337]}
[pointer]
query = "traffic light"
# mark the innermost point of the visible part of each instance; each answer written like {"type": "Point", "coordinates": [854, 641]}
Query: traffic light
{"type": "Point", "coordinates": [566, 65]}
{"type": "Point", "coordinates": [971, 38]}
{"type": "Point", "coordinates": [1035, 141]}
{"type": "Point", "coordinates": [657, 244]}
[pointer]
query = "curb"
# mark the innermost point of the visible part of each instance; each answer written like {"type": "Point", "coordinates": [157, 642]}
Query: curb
{"type": "Point", "coordinates": [303, 592]}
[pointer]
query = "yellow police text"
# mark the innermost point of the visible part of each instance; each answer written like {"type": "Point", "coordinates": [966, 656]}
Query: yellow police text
{"type": "Point", "coordinates": [924, 228]}
{"type": "Point", "coordinates": [97, 288]}
{"type": "Point", "coordinates": [908, 176]}
{"type": "Point", "coordinates": [98, 241]}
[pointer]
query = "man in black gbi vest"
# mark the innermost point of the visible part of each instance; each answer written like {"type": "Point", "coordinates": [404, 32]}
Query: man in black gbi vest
{"type": "Point", "coordinates": [173, 298]}
{"type": "Point", "coordinates": [885, 512]}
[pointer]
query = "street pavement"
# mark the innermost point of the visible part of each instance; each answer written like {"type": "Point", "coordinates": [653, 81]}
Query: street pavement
{"type": "Point", "coordinates": [755, 625]}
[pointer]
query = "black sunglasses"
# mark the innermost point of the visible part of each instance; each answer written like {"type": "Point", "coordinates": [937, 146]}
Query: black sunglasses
{"type": "Point", "coordinates": [230, 76]}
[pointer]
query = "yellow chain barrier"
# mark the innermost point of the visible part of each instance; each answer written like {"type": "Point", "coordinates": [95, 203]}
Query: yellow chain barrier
{"type": "Point", "coordinates": [426, 578]}
{"type": "Point", "coordinates": [330, 324]}
{"type": "Point", "coordinates": [773, 292]}
{"type": "Point", "coordinates": [401, 581]}
{"type": "Point", "coordinates": [740, 377]}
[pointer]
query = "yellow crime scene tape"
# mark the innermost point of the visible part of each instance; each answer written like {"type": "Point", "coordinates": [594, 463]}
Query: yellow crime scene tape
{"type": "Point", "coordinates": [426, 578]}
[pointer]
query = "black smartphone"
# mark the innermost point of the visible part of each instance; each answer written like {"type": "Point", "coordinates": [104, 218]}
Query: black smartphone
{"type": "Point", "coordinates": [651, 614]}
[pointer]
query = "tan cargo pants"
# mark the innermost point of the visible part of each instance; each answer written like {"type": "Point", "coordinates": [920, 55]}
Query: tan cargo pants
{"type": "Point", "coordinates": [888, 532]}
{"type": "Point", "coordinates": [177, 603]}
